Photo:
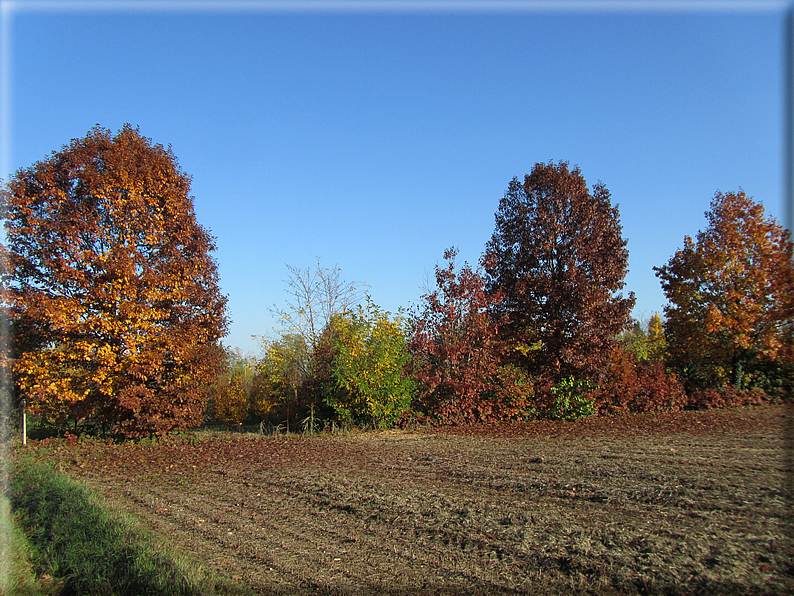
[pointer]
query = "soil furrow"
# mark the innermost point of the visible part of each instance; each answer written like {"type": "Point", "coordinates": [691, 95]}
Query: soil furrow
{"type": "Point", "coordinates": [690, 503]}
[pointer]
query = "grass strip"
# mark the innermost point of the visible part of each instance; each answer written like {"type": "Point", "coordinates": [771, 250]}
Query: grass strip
{"type": "Point", "coordinates": [94, 550]}
{"type": "Point", "coordinates": [16, 556]}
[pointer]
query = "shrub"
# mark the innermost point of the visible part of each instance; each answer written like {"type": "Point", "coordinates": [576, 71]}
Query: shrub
{"type": "Point", "coordinates": [369, 367]}
{"type": "Point", "coordinates": [727, 397]}
{"type": "Point", "coordinates": [633, 386]}
{"type": "Point", "coordinates": [573, 400]}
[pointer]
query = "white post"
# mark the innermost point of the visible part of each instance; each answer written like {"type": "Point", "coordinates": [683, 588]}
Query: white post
{"type": "Point", "coordinates": [24, 422]}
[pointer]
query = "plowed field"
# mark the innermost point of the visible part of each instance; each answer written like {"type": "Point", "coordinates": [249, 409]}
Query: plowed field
{"type": "Point", "coordinates": [684, 503]}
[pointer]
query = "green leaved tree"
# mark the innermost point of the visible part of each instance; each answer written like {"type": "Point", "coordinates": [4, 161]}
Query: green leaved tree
{"type": "Point", "coordinates": [369, 367]}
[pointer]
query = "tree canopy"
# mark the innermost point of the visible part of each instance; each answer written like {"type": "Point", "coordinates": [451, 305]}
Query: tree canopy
{"type": "Point", "coordinates": [113, 293]}
{"type": "Point", "coordinates": [370, 359]}
{"type": "Point", "coordinates": [116, 313]}
{"type": "Point", "coordinates": [457, 351]}
{"type": "Point", "coordinates": [558, 257]}
{"type": "Point", "coordinates": [731, 293]}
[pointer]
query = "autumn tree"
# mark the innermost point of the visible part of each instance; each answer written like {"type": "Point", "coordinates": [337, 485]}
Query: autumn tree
{"type": "Point", "coordinates": [263, 399]}
{"type": "Point", "coordinates": [283, 373]}
{"type": "Point", "coordinates": [369, 366]}
{"type": "Point", "coordinates": [456, 349]}
{"type": "Point", "coordinates": [315, 295]}
{"type": "Point", "coordinates": [231, 400]}
{"type": "Point", "coordinates": [656, 342]}
{"type": "Point", "coordinates": [731, 299]}
{"type": "Point", "coordinates": [113, 292]}
{"type": "Point", "coordinates": [558, 258]}
{"type": "Point", "coordinates": [241, 365]}
{"type": "Point", "coordinates": [234, 392]}
{"type": "Point", "coordinates": [646, 342]}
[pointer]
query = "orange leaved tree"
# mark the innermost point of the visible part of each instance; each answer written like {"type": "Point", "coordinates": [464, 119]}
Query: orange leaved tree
{"type": "Point", "coordinates": [115, 307]}
{"type": "Point", "coordinates": [731, 293]}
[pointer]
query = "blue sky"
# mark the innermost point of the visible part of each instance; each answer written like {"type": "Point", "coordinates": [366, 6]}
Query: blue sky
{"type": "Point", "coordinates": [374, 139]}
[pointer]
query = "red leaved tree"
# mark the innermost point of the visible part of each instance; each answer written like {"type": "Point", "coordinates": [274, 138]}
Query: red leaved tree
{"type": "Point", "coordinates": [455, 344]}
{"type": "Point", "coordinates": [559, 260]}
{"type": "Point", "coordinates": [114, 298]}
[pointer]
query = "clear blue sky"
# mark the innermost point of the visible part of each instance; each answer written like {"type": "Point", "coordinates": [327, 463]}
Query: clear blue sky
{"type": "Point", "coordinates": [374, 139]}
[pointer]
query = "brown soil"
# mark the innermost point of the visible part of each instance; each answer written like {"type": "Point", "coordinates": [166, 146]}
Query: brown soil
{"type": "Point", "coordinates": [679, 503]}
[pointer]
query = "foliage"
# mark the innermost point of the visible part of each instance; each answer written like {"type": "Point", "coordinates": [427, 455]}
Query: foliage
{"type": "Point", "coordinates": [113, 294]}
{"type": "Point", "coordinates": [369, 367]}
{"type": "Point", "coordinates": [295, 368]}
{"type": "Point", "coordinates": [573, 400]}
{"type": "Point", "coordinates": [454, 342]}
{"type": "Point", "coordinates": [647, 344]}
{"type": "Point", "coordinates": [511, 395]}
{"type": "Point", "coordinates": [92, 549]}
{"type": "Point", "coordinates": [558, 257]}
{"type": "Point", "coordinates": [262, 399]}
{"type": "Point", "coordinates": [243, 366]}
{"type": "Point", "coordinates": [731, 293]}
{"type": "Point", "coordinates": [282, 375]}
{"type": "Point", "coordinates": [233, 395]}
{"type": "Point", "coordinates": [633, 385]}
{"type": "Point", "coordinates": [231, 401]}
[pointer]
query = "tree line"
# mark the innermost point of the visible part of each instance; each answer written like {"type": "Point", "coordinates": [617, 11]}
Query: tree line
{"type": "Point", "coordinates": [116, 315]}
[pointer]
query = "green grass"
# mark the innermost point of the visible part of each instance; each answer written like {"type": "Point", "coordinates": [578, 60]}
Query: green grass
{"type": "Point", "coordinates": [16, 558]}
{"type": "Point", "coordinates": [94, 550]}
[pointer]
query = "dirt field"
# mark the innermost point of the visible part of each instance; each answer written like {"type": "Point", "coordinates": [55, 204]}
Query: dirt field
{"type": "Point", "coordinates": [686, 503]}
